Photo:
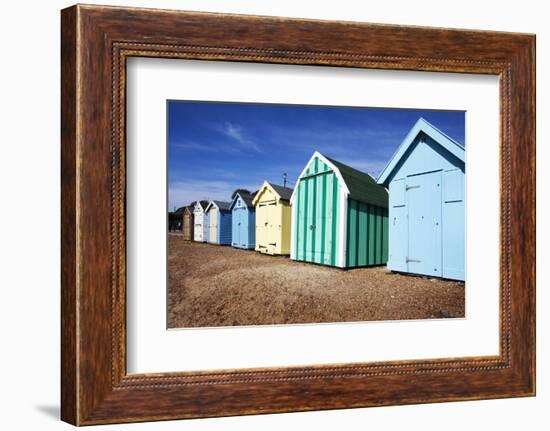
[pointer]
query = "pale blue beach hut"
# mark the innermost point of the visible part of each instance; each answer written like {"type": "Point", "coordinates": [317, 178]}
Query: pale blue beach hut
{"type": "Point", "coordinates": [243, 221]}
{"type": "Point", "coordinates": [426, 180]}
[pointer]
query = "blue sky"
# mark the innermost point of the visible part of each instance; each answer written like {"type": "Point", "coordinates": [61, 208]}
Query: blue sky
{"type": "Point", "coordinates": [214, 148]}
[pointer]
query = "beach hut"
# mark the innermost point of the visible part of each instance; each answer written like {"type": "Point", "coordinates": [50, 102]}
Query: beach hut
{"type": "Point", "coordinates": [339, 216]}
{"type": "Point", "coordinates": [243, 221]}
{"type": "Point", "coordinates": [425, 178]}
{"type": "Point", "coordinates": [219, 217]}
{"type": "Point", "coordinates": [273, 216]}
{"type": "Point", "coordinates": [200, 219]}
{"type": "Point", "coordinates": [188, 223]}
{"type": "Point", "coordinates": [175, 220]}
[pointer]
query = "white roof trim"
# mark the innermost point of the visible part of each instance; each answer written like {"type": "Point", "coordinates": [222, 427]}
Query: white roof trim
{"type": "Point", "coordinates": [327, 162]}
{"type": "Point", "coordinates": [257, 195]}
{"type": "Point", "coordinates": [211, 203]}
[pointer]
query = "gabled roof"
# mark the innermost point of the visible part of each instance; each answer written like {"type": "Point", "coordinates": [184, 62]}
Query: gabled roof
{"type": "Point", "coordinates": [246, 197]}
{"type": "Point", "coordinates": [203, 204]}
{"type": "Point", "coordinates": [358, 185]}
{"type": "Point", "coordinates": [179, 211]}
{"type": "Point", "coordinates": [421, 126]}
{"type": "Point", "coordinates": [285, 193]}
{"type": "Point", "coordinates": [223, 206]}
{"type": "Point", "coordinates": [362, 186]}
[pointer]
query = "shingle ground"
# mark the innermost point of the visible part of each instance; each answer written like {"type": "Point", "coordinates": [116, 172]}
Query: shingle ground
{"type": "Point", "coordinates": [211, 285]}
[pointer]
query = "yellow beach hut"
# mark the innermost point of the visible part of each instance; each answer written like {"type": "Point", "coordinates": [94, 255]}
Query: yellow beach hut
{"type": "Point", "coordinates": [273, 217]}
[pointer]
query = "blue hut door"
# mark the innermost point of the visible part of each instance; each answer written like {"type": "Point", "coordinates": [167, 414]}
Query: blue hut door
{"type": "Point", "coordinates": [424, 221]}
{"type": "Point", "coordinates": [236, 227]}
{"type": "Point", "coordinates": [239, 231]}
{"type": "Point", "coordinates": [243, 227]}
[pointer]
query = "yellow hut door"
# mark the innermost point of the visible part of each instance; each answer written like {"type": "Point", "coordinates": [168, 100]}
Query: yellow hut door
{"type": "Point", "coordinates": [272, 227]}
{"type": "Point", "coordinates": [214, 224]}
{"type": "Point", "coordinates": [261, 228]}
{"type": "Point", "coordinates": [266, 226]}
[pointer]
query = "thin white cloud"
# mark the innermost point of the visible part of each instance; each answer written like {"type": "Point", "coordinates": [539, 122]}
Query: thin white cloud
{"type": "Point", "coordinates": [223, 173]}
{"type": "Point", "coordinates": [236, 133]}
{"type": "Point", "coordinates": [192, 145]}
{"type": "Point", "coordinates": [347, 133]}
{"type": "Point", "coordinates": [189, 145]}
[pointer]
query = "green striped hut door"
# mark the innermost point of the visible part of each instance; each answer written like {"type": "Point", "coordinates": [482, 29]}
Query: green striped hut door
{"type": "Point", "coordinates": [316, 224]}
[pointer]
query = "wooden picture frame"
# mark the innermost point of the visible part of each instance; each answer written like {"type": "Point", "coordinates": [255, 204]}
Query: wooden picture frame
{"type": "Point", "coordinates": [95, 43]}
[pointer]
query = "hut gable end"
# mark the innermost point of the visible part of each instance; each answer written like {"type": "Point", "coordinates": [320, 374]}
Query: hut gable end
{"type": "Point", "coordinates": [266, 193]}
{"type": "Point", "coordinates": [318, 165]}
{"type": "Point", "coordinates": [270, 191]}
{"type": "Point", "coordinates": [221, 206]}
{"type": "Point", "coordinates": [424, 155]}
{"type": "Point", "coordinates": [356, 185]}
{"type": "Point", "coordinates": [244, 199]}
{"type": "Point", "coordinates": [424, 149]}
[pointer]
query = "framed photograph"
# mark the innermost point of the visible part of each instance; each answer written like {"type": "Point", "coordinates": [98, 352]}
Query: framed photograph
{"type": "Point", "coordinates": [264, 215]}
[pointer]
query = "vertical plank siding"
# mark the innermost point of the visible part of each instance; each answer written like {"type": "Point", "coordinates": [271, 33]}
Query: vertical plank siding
{"type": "Point", "coordinates": [367, 235]}
{"type": "Point", "coordinates": [286, 222]}
{"type": "Point", "coordinates": [200, 220]}
{"type": "Point", "coordinates": [224, 228]}
{"type": "Point", "coordinates": [212, 235]}
{"type": "Point", "coordinates": [316, 215]}
{"type": "Point", "coordinates": [335, 215]}
{"type": "Point", "coordinates": [188, 225]}
{"type": "Point", "coordinates": [219, 229]}
{"type": "Point", "coordinates": [251, 228]}
{"type": "Point", "coordinates": [235, 228]}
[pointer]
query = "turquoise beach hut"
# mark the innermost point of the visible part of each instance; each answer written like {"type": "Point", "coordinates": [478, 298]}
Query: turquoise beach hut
{"type": "Point", "coordinates": [339, 216]}
{"type": "Point", "coordinates": [426, 178]}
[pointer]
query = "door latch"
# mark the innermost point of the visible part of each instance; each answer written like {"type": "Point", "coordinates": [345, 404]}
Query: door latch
{"type": "Point", "coordinates": [412, 260]}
